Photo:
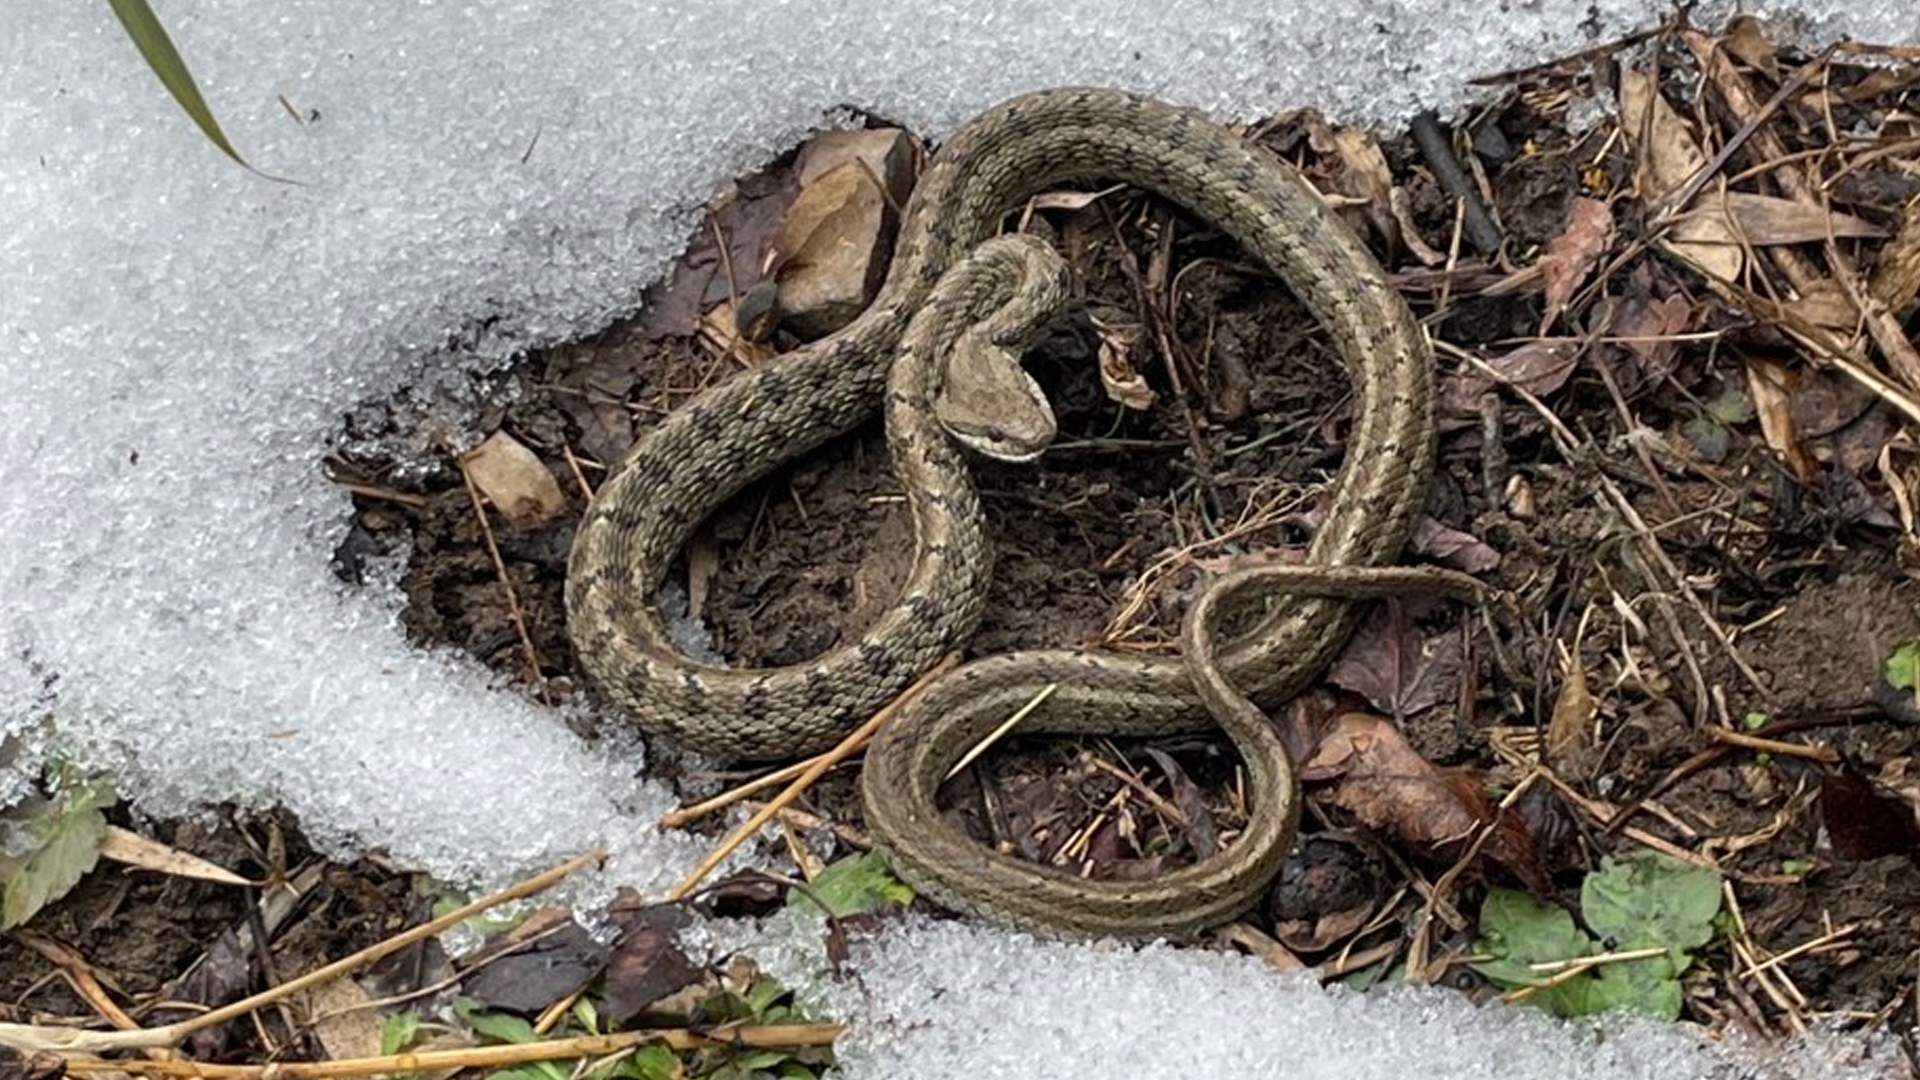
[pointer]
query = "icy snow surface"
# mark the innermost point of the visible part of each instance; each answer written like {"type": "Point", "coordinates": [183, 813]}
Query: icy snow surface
{"type": "Point", "coordinates": [179, 340]}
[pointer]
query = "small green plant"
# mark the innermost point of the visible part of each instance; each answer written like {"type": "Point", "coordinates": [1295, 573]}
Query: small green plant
{"type": "Point", "coordinates": [1902, 664]}
{"type": "Point", "coordinates": [855, 884]}
{"type": "Point", "coordinates": [49, 842]}
{"type": "Point", "coordinates": [1650, 911]}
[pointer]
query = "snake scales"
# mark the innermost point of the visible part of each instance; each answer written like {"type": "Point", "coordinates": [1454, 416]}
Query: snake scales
{"type": "Point", "coordinates": [738, 431]}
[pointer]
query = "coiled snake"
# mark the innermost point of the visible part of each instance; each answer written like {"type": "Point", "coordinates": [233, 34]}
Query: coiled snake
{"type": "Point", "coordinates": [736, 432]}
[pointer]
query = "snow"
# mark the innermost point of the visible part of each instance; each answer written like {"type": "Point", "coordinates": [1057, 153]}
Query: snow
{"type": "Point", "coordinates": [180, 339]}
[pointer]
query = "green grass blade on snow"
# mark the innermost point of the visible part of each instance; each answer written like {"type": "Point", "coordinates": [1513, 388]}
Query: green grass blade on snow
{"type": "Point", "coordinates": [156, 47]}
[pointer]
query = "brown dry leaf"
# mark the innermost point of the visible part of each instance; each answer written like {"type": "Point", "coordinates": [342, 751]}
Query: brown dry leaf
{"type": "Point", "coordinates": [1826, 305]}
{"type": "Point", "coordinates": [1669, 152]}
{"type": "Point", "coordinates": [537, 963]}
{"type": "Point", "coordinates": [1573, 710]}
{"type": "Point", "coordinates": [1647, 328]}
{"type": "Point", "coordinates": [344, 1019]}
{"type": "Point", "coordinates": [648, 962]}
{"type": "Point", "coordinates": [1771, 386]}
{"type": "Point", "coordinates": [1393, 664]}
{"type": "Point", "coordinates": [1450, 547]}
{"type": "Point", "coordinates": [1117, 375]}
{"type": "Point", "coordinates": [1669, 155]}
{"type": "Point", "coordinates": [1764, 219]}
{"type": "Point", "coordinates": [1897, 276]}
{"type": "Point", "coordinates": [1708, 239]}
{"type": "Point", "coordinates": [1571, 256]}
{"type": "Point", "coordinates": [135, 850]}
{"type": "Point", "coordinates": [1387, 785]}
{"type": "Point", "coordinates": [747, 220]}
{"type": "Point", "coordinates": [514, 480]}
{"type": "Point", "coordinates": [1540, 367]}
{"type": "Point", "coordinates": [1746, 41]}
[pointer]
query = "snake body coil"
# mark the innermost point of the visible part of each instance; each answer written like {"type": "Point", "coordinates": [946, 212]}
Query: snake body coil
{"type": "Point", "coordinates": [706, 451]}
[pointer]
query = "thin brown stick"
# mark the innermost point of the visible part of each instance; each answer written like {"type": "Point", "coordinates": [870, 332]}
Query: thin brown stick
{"type": "Point", "coordinates": [506, 585]}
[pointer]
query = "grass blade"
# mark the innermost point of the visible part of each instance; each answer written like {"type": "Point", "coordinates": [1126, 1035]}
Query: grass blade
{"type": "Point", "coordinates": [151, 38]}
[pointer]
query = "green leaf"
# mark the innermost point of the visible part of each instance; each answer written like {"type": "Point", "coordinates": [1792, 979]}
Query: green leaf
{"type": "Point", "coordinates": [651, 1062]}
{"type": "Point", "coordinates": [760, 996]}
{"type": "Point", "coordinates": [1902, 663]}
{"type": "Point", "coordinates": [500, 1027]}
{"type": "Point", "coordinates": [397, 1031]}
{"type": "Point", "coordinates": [58, 838]}
{"type": "Point", "coordinates": [1647, 901]}
{"type": "Point", "coordinates": [1519, 931]}
{"type": "Point", "coordinates": [1650, 987]}
{"type": "Point", "coordinates": [587, 1016]}
{"type": "Point", "coordinates": [853, 885]}
{"type": "Point", "coordinates": [156, 47]}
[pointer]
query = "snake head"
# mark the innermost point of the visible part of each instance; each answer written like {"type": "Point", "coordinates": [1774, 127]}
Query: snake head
{"type": "Point", "coordinates": [988, 403]}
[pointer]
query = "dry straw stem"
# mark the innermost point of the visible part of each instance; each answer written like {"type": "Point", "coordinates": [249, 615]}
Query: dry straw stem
{"type": "Point", "coordinates": [815, 770]}
{"type": "Point", "coordinates": [769, 1036]}
{"type": "Point", "coordinates": [28, 1038]}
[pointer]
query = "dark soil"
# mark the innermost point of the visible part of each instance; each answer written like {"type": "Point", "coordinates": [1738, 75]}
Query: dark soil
{"type": "Point", "coordinates": [1704, 571]}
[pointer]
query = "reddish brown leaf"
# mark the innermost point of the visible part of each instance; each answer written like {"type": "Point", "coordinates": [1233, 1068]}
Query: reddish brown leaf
{"type": "Point", "coordinates": [1571, 256]}
{"type": "Point", "coordinates": [1393, 664]}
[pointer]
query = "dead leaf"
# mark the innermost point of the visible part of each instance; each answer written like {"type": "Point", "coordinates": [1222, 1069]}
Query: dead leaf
{"type": "Point", "coordinates": [1540, 367]}
{"type": "Point", "coordinates": [1760, 220]}
{"type": "Point", "coordinates": [1571, 256]}
{"type": "Point", "coordinates": [1746, 41]}
{"type": "Point", "coordinates": [1862, 822]}
{"type": "Point", "coordinates": [1392, 663]}
{"type": "Point", "coordinates": [1669, 155]}
{"type": "Point", "coordinates": [1122, 383]}
{"type": "Point", "coordinates": [747, 219]}
{"type": "Point", "coordinates": [1770, 386]}
{"type": "Point", "coordinates": [343, 1019]}
{"type": "Point", "coordinates": [514, 480]}
{"type": "Point", "coordinates": [1451, 547]}
{"type": "Point", "coordinates": [1573, 710]}
{"type": "Point", "coordinates": [1647, 328]}
{"type": "Point", "coordinates": [1669, 152]}
{"type": "Point", "coordinates": [1897, 276]}
{"type": "Point", "coordinates": [135, 850]}
{"type": "Point", "coordinates": [542, 960]}
{"type": "Point", "coordinates": [1387, 785]}
{"type": "Point", "coordinates": [648, 962]}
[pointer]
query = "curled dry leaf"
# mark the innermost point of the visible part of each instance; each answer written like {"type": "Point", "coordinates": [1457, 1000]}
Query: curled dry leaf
{"type": "Point", "coordinates": [1571, 256]}
{"type": "Point", "coordinates": [1117, 375]}
{"type": "Point", "coordinates": [1388, 785]}
{"type": "Point", "coordinates": [1771, 387]}
{"type": "Point", "coordinates": [514, 480]}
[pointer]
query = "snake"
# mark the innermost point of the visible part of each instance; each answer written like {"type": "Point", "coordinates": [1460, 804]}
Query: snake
{"type": "Point", "coordinates": [939, 298]}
